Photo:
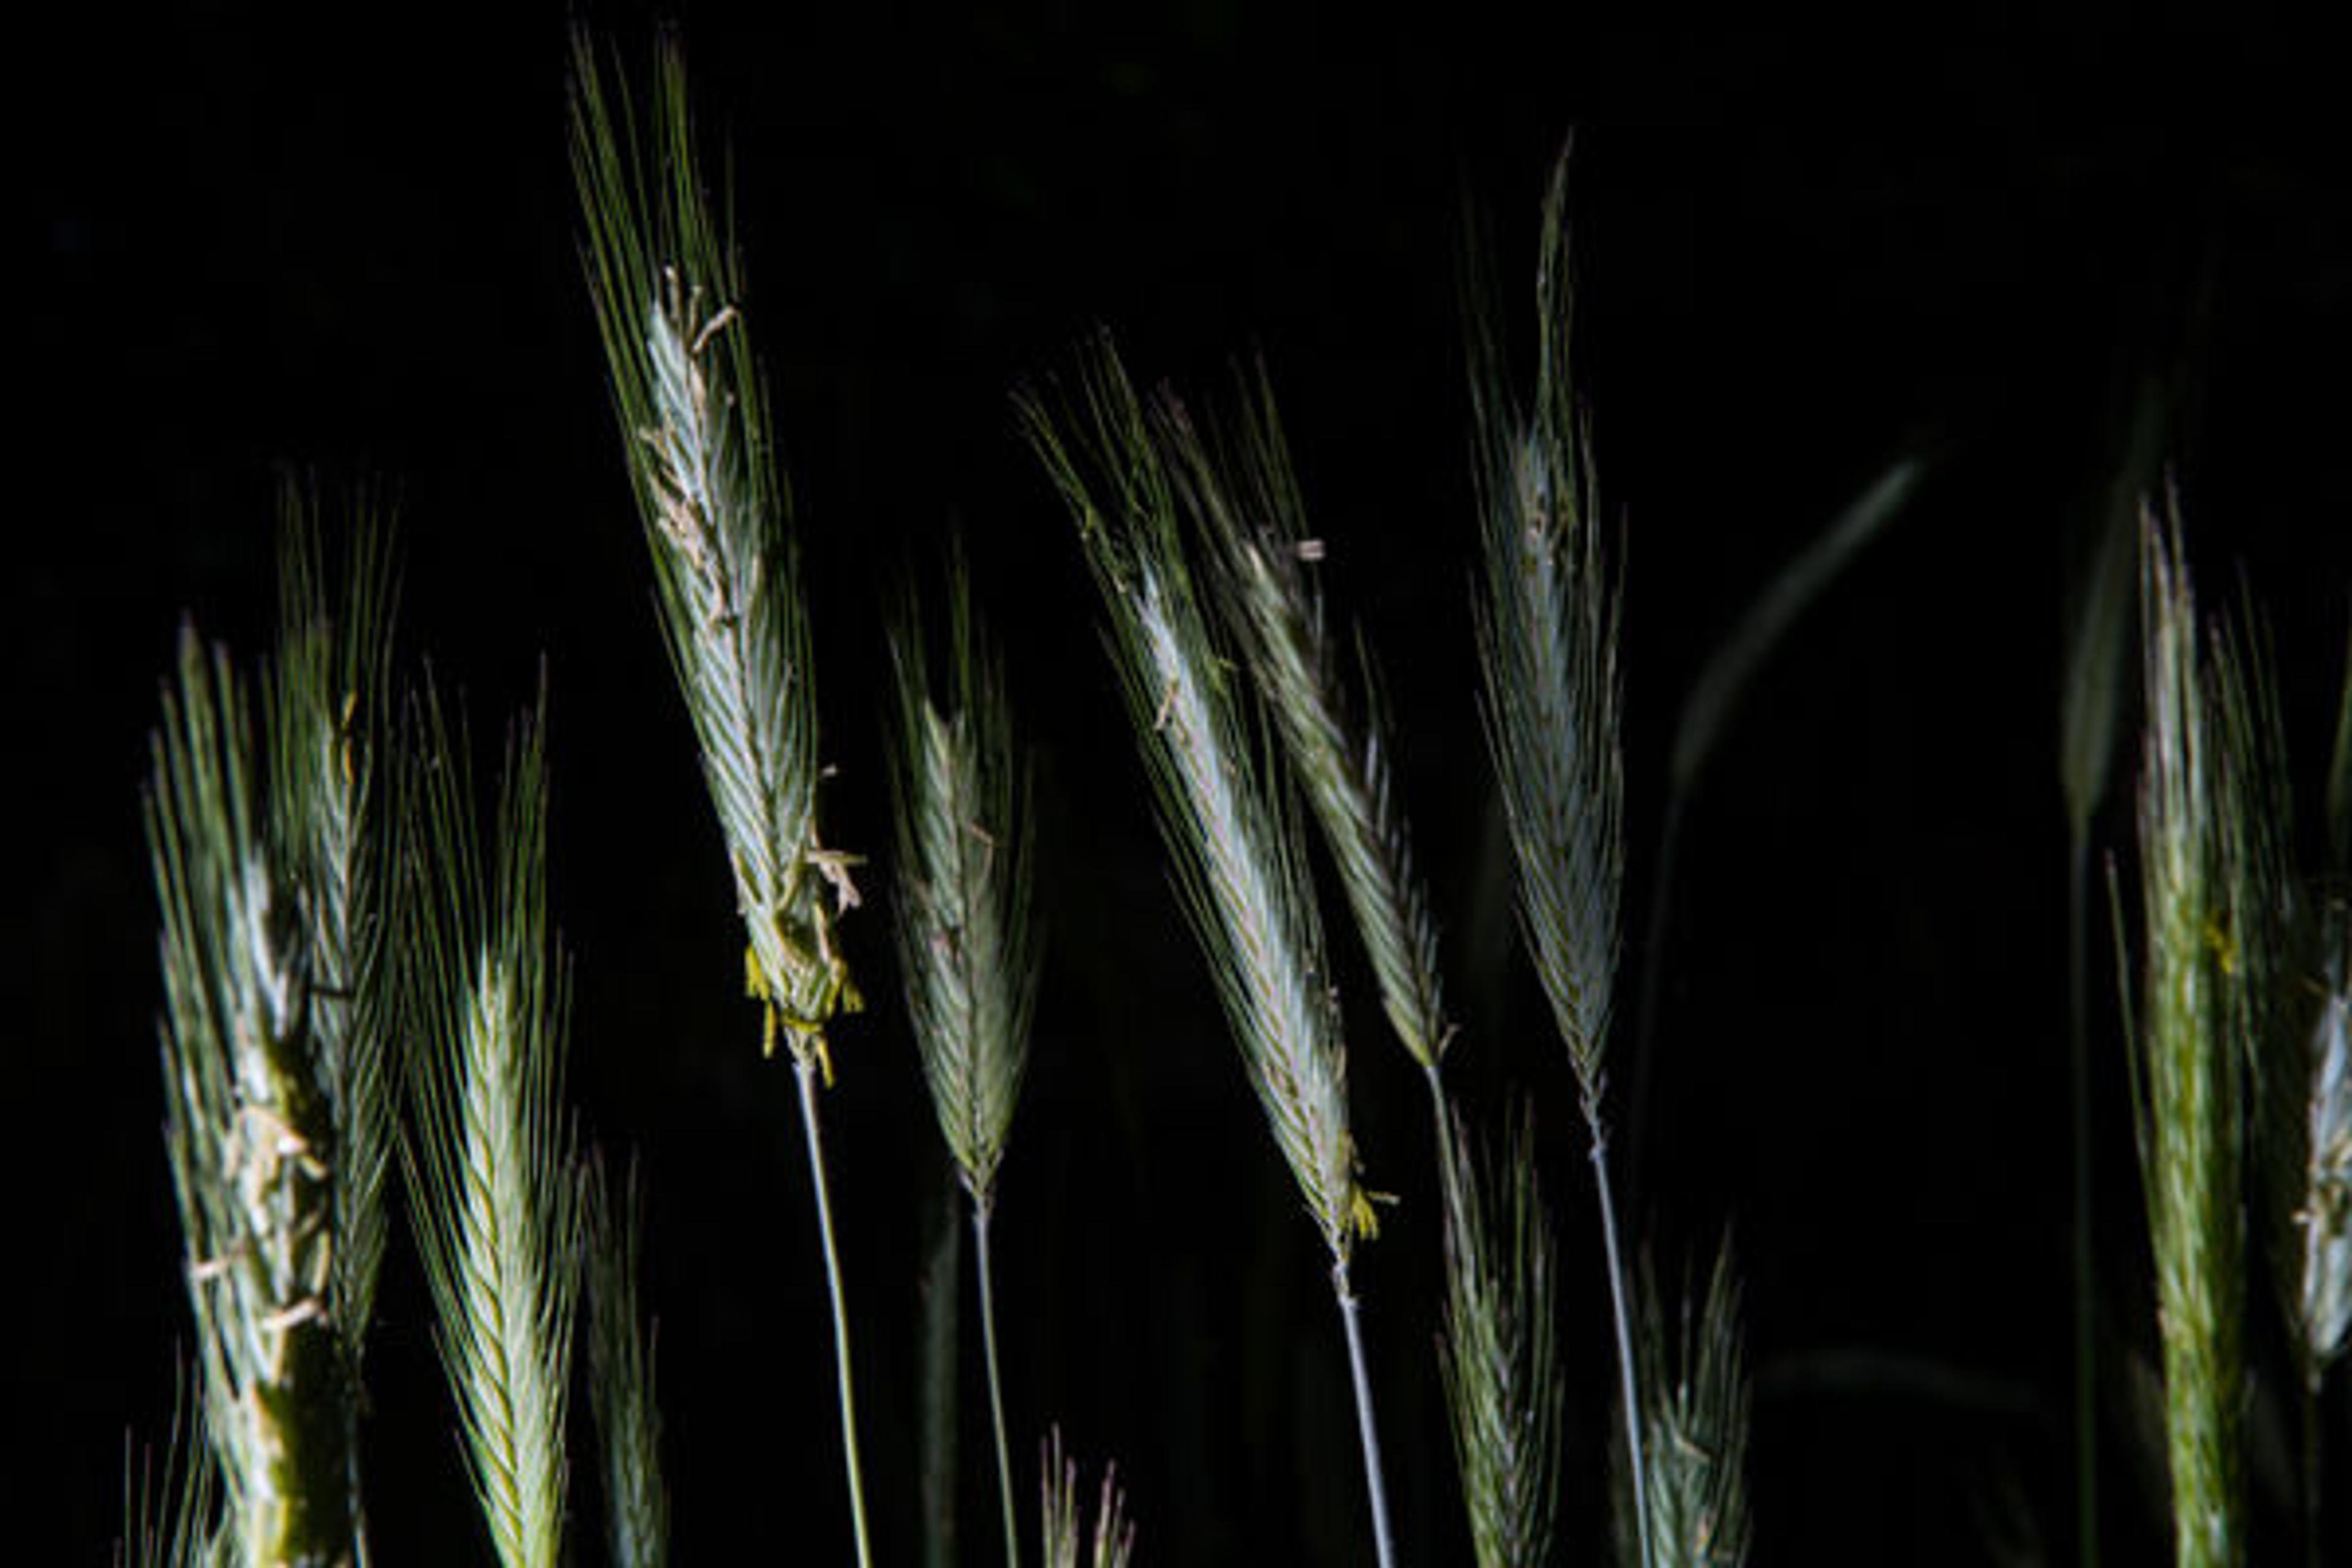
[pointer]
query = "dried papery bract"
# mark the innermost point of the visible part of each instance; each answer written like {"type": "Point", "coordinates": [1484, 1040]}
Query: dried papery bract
{"type": "Point", "coordinates": [2190, 1067]}
{"type": "Point", "coordinates": [965, 943]}
{"type": "Point", "coordinates": [1498, 1352]}
{"type": "Point", "coordinates": [621, 1371]}
{"type": "Point", "coordinates": [1239, 866]}
{"type": "Point", "coordinates": [1547, 615]}
{"type": "Point", "coordinates": [251, 1132]}
{"type": "Point", "coordinates": [670, 302]}
{"type": "Point", "coordinates": [492, 1176]}
{"type": "Point", "coordinates": [1694, 1372]}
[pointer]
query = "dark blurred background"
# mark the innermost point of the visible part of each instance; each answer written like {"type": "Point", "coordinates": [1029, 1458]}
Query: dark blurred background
{"type": "Point", "coordinates": [340, 243]}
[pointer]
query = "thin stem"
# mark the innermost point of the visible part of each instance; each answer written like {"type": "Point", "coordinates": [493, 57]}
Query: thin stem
{"type": "Point", "coordinates": [982, 1213]}
{"type": "Point", "coordinates": [1621, 1309]}
{"type": "Point", "coordinates": [1365, 1425]}
{"type": "Point", "coordinates": [1431, 1075]}
{"type": "Point", "coordinates": [805, 1068]}
{"type": "Point", "coordinates": [1653, 973]}
{"type": "Point", "coordinates": [2086, 1433]}
{"type": "Point", "coordinates": [2311, 1473]}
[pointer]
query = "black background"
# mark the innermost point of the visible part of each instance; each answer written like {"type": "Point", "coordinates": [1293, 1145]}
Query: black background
{"type": "Point", "coordinates": [345, 245]}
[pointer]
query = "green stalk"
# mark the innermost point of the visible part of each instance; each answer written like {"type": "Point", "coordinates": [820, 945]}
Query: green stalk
{"type": "Point", "coordinates": [805, 1068]}
{"type": "Point", "coordinates": [2086, 1344]}
{"type": "Point", "coordinates": [1621, 1309]}
{"type": "Point", "coordinates": [2311, 1469]}
{"type": "Point", "coordinates": [1367, 1429]}
{"type": "Point", "coordinates": [981, 1212]}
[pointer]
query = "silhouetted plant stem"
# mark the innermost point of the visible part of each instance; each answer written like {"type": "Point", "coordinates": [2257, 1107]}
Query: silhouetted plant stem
{"type": "Point", "coordinates": [982, 1213]}
{"type": "Point", "coordinates": [1367, 1428]}
{"type": "Point", "coordinates": [805, 1070]}
{"type": "Point", "coordinates": [1621, 1309]}
{"type": "Point", "coordinates": [2086, 1345]}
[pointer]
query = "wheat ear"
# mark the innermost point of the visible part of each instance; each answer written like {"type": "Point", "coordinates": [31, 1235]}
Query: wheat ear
{"type": "Point", "coordinates": [1695, 1373]}
{"type": "Point", "coordinates": [1497, 1352]}
{"type": "Point", "coordinates": [963, 924]}
{"type": "Point", "coordinates": [491, 1171]}
{"type": "Point", "coordinates": [1547, 616]}
{"type": "Point", "coordinates": [621, 1371]}
{"type": "Point", "coordinates": [2189, 1068]}
{"type": "Point", "coordinates": [326, 717]}
{"type": "Point", "coordinates": [670, 302]}
{"type": "Point", "coordinates": [250, 1131]}
{"type": "Point", "coordinates": [1244, 494]}
{"type": "Point", "coordinates": [1239, 866]}
{"type": "Point", "coordinates": [1064, 1541]}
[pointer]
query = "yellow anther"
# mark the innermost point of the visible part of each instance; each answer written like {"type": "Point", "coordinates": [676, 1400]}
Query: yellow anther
{"type": "Point", "coordinates": [1364, 1217]}
{"type": "Point", "coordinates": [2224, 945]}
